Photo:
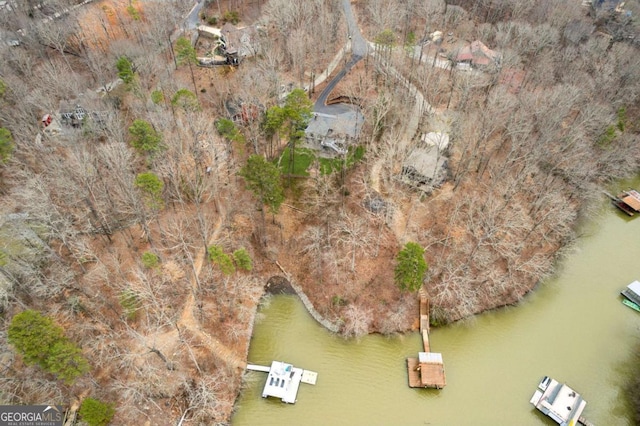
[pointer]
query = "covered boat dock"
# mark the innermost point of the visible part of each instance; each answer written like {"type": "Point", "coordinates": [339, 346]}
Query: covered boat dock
{"type": "Point", "coordinates": [284, 380]}
{"type": "Point", "coordinates": [560, 402]}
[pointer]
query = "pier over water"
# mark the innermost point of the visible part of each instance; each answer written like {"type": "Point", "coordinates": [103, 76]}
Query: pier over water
{"type": "Point", "coordinates": [426, 371]}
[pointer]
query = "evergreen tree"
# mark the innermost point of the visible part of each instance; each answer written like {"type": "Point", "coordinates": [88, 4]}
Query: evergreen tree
{"type": "Point", "coordinates": [220, 258]}
{"type": "Point", "coordinates": [145, 138]}
{"type": "Point", "coordinates": [228, 130]}
{"type": "Point", "coordinates": [186, 100]}
{"type": "Point", "coordinates": [263, 179]}
{"type": "Point", "coordinates": [40, 341]}
{"type": "Point", "coordinates": [291, 119]}
{"type": "Point", "coordinates": [242, 259]}
{"type": "Point", "coordinates": [410, 267]}
{"type": "Point", "coordinates": [186, 54]}
{"type": "Point", "coordinates": [151, 186]}
{"type": "Point", "coordinates": [126, 70]}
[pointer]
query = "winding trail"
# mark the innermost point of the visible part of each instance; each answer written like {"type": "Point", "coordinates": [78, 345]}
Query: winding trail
{"type": "Point", "coordinates": [189, 323]}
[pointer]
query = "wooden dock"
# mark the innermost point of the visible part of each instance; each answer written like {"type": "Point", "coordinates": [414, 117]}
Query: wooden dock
{"type": "Point", "coordinates": [628, 201]}
{"type": "Point", "coordinates": [426, 374]}
{"type": "Point", "coordinates": [426, 371]}
{"type": "Point", "coordinates": [584, 422]}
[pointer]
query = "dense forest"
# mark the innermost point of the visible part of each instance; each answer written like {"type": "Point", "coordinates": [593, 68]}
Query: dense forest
{"type": "Point", "coordinates": [150, 188]}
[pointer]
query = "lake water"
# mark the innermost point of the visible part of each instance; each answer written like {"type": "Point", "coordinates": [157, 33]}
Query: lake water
{"type": "Point", "coordinates": [573, 328]}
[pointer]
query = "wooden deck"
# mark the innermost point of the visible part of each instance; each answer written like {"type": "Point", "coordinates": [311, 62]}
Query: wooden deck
{"type": "Point", "coordinates": [426, 371]}
{"type": "Point", "coordinates": [424, 313]}
{"type": "Point", "coordinates": [415, 381]}
{"type": "Point", "coordinates": [425, 375]}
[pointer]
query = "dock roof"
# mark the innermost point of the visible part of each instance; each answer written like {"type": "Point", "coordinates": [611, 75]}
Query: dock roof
{"type": "Point", "coordinates": [632, 199]}
{"type": "Point", "coordinates": [632, 292]}
{"type": "Point", "coordinates": [283, 382]}
{"type": "Point", "coordinates": [558, 401]}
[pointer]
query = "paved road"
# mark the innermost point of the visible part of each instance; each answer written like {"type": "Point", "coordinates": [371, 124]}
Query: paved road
{"type": "Point", "coordinates": [359, 48]}
{"type": "Point", "coordinates": [192, 20]}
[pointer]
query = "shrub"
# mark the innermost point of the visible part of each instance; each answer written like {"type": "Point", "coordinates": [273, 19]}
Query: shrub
{"type": "Point", "coordinates": [186, 100]}
{"type": "Point", "coordinates": [96, 413]}
{"type": "Point", "coordinates": [150, 260]}
{"type": "Point", "coordinates": [231, 16]}
{"type": "Point", "coordinates": [133, 12]}
{"type": "Point", "coordinates": [220, 258]}
{"type": "Point", "coordinates": [157, 97]}
{"type": "Point", "coordinates": [6, 145]}
{"type": "Point", "coordinates": [339, 301]}
{"type": "Point", "coordinates": [242, 259]}
{"type": "Point", "coordinates": [151, 186]}
{"type": "Point", "coordinates": [622, 118]}
{"type": "Point", "coordinates": [130, 303]}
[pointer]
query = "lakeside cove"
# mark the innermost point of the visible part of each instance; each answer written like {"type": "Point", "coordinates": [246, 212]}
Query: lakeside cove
{"type": "Point", "coordinates": [365, 381]}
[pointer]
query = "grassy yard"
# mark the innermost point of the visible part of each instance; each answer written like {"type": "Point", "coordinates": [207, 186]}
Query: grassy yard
{"type": "Point", "coordinates": [305, 157]}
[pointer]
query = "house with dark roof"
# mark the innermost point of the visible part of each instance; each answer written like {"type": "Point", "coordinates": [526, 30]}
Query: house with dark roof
{"type": "Point", "coordinates": [331, 134]}
{"type": "Point", "coordinates": [239, 43]}
{"type": "Point", "coordinates": [425, 166]}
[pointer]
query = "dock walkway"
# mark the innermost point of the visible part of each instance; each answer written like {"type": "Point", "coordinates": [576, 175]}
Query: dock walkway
{"type": "Point", "coordinates": [584, 422]}
{"type": "Point", "coordinates": [263, 368]}
{"type": "Point", "coordinates": [426, 371]}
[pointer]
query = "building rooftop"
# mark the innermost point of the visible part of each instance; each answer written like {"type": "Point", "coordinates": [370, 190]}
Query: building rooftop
{"type": "Point", "coordinates": [348, 123]}
{"type": "Point", "coordinates": [477, 53]}
{"type": "Point", "coordinates": [632, 199]}
{"type": "Point", "coordinates": [240, 41]}
{"type": "Point", "coordinates": [284, 380]}
{"type": "Point", "coordinates": [335, 131]}
{"type": "Point", "coordinates": [632, 292]}
{"type": "Point", "coordinates": [558, 401]}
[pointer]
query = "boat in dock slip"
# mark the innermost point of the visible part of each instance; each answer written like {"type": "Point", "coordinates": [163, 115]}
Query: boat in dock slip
{"type": "Point", "coordinates": [560, 402]}
{"type": "Point", "coordinates": [631, 295]}
{"type": "Point", "coordinates": [630, 304]}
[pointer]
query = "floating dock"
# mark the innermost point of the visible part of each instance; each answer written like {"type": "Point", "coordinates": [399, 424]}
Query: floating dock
{"type": "Point", "coordinates": [426, 371]}
{"type": "Point", "coordinates": [632, 292]}
{"type": "Point", "coordinates": [284, 380]}
{"type": "Point", "coordinates": [560, 402]}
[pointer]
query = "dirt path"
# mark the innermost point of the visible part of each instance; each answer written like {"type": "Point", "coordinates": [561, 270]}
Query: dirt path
{"type": "Point", "coordinates": [187, 320]}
